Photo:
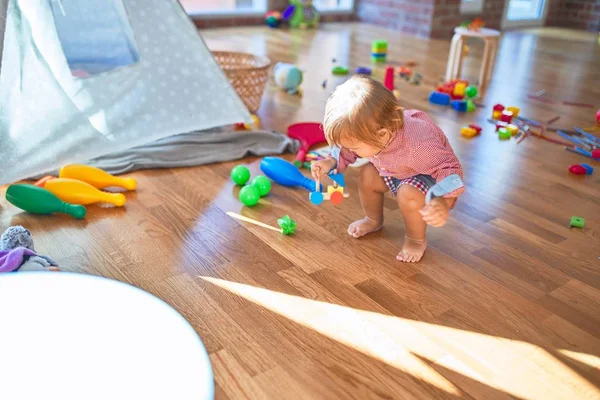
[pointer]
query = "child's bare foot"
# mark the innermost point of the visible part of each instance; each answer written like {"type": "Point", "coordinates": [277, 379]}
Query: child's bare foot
{"type": "Point", "coordinates": [363, 226]}
{"type": "Point", "coordinates": [412, 250]}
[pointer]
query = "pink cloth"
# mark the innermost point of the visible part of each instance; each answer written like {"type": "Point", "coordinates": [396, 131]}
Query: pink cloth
{"type": "Point", "coordinates": [421, 147]}
{"type": "Point", "coordinates": [11, 260]}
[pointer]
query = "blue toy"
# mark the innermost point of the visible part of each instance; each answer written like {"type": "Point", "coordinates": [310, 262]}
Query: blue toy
{"type": "Point", "coordinates": [459, 105]}
{"type": "Point", "coordinates": [588, 169]}
{"type": "Point", "coordinates": [287, 76]}
{"type": "Point", "coordinates": [285, 173]}
{"type": "Point", "coordinates": [363, 70]}
{"type": "Point", "coordinates": [439, 98]}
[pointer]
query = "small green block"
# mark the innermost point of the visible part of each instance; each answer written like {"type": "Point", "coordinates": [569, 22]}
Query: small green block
{"type": "Point", "coordinates": [504, 134]}
{"type": "Point", "coordinates": [297, 163]}
{"type": "Point", "coordinates": [377, 60]}
{"type": "Point", "coordinates": [470, 105]}
{"type": "Point", "coordinates": [306, 165]}
{"type": "Point", "coordinates": [339, 70]}
{"type": "Point", "coordinates": [577, 222]}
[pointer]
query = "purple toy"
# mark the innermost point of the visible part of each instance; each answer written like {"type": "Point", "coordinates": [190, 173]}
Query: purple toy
{"type": "Point", "coordinates": [284, 173]}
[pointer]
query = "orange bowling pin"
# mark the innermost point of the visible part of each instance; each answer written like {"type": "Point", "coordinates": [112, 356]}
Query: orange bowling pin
{"type": "Point", "coordinates": [95, 177]}
{"type": "Point", "coordinates": [79, 192]}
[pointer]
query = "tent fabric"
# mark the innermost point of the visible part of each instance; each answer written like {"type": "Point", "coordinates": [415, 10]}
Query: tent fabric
{"type": "Point", "coordinates": [85, 78]}
{"type": "Point", "coordinates": [192, 149]}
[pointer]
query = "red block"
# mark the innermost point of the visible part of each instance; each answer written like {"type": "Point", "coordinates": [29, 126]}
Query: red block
{"type": "Point", "coordinates": [577, 169]}
{"type": "Point", "coordinates": [506, 116]}
{"type": "Point", "coordinates": [498, 107]}
{"type": "Point", "coordinates": [476, 127]}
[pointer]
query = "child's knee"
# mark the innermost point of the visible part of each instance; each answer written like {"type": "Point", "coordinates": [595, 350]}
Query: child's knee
{"type": "Point", "coordinates": [410, 197]}
{"type": "Point", "coordinates": [369, 177]}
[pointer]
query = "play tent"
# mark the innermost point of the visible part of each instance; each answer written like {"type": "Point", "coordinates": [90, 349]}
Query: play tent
{"type": "Point", "coordinates": [81, 79]}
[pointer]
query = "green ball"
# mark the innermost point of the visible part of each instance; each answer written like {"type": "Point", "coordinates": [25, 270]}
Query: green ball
{"type": "Point", "coordinates": [262, 184]}
{"type": "Point", "coordinates": [471, 91]}
{"type": "Point", "coordinates": [240, 174]}
{"type": "Point", "coordinates": [249, 196]}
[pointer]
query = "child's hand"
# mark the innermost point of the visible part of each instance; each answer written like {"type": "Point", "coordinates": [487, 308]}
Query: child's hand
{"type": "Point", "coordinates": [436, 213]}
{"type": "Point", "coordinates": [320, 169]}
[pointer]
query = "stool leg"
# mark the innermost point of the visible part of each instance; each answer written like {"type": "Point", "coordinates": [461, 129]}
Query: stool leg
{"type": "Point", "coordinates": [459, 58]}
{"type": "Point", "coordinates": [484, 63]}
{"type": "Point", "coordinates": [493, 51]}
{"type": "Point", "coordinates": [452, 58]}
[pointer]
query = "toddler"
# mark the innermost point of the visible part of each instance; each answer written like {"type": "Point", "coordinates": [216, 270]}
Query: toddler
{"type": "Point", "coordinates": [407, 155]}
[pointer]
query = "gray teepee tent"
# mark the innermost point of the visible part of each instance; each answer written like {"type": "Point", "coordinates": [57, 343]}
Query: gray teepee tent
{"type": "Point", "coordinates": [81, 79]}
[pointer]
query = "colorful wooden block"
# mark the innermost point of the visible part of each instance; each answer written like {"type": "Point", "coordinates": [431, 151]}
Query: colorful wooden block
{"type": "Point", "coordinates": [514, 110]}
{"type": "Point", "coordinates": [476, 127]}
{"type": "Point", "coordinates": [470, 105]}
{"type": "Point", "coordinates": [503, 134]}
{"type": "Point", "coordinates": [459, 105]}
{"type": "Point", "coordinates": [496, 114]}
{"type": "Point", "coordinates": [442, 99]}
{"type": "Point", "coordinates": [331, 189]}
{"type": "Point", "coordinates": [506, 116]}
{"type": "Point", "coordinates": [500, 124]}
{"type": "Point", "coordinates": [459, 89]}
{"type": "Point", "coordinates": [577, 222]}
{"type": "Point", "coordinates": [513, 129]}
{"type": "Point", "coordinates": [468, 132]}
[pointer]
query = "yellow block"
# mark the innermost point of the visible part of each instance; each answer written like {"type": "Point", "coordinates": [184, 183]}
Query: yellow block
{"type": "Point", "coordinates": [459, 89]}
{"type": "Point", "coordinates": [513, 129]}
{"type": "Point", "coordinates": [331, 189]}
{"type": "Point", "coordinates": [496, 114]}
{"type": "Point", "coordinates": [468, 132]}
{"type": "Point", "coordinates": [514, 110]}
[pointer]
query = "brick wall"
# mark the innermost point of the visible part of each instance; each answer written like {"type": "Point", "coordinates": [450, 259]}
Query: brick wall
{"type": "Point", "coordinates": [274, 5]}
{"type": "Point", "coordinates": [409, 16]}
{"type": "Point", "coordinates": [576, 14]}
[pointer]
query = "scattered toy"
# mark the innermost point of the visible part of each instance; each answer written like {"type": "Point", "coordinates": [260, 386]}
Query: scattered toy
{"type": "Point", "coordinates": [249, 195]}
{"type": "Point", "coordinates": [287, 226]}
{"type": "Point", "coordinates": [389, 78]}
{"type": "Point", "coordinates": [273, 19]}
{"type": "Point", "coordinates": [442, 99]}
{"type": "Point", "coordinates": [577, 169]}
{"type": "Point", "coordinates": [262, 184]}
{"type": "Point", "coordinates": [588, 169]}
{"type": "Point", "coordinates": [240, 174]}
{"type": "Point", "coordinates": [363, 70]}
{"type": "Point", "coordinates": [339, 70]}
{"type": "Point", "coordinates": [288, 77]}
{"type": "Point", "coordinates": [309, 134]}
{"type": "Point", "coordinates": [379, 51]}
{"type": "Point", "coordinates": [468, 132]}
{"type": "Point", "coordinates": [577, 222]}
{"type": "Point", "coordinates": [37, 200]}
{"type": "Point", "coordinates": [504, 134]}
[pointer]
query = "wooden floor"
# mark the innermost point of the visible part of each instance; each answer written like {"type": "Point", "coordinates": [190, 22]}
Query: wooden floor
{"type": "Point", "coordinates": [505, 303]}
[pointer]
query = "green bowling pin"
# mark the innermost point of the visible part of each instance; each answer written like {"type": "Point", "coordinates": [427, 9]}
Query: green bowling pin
{"type": "Point", "coordinates": [38, 200]}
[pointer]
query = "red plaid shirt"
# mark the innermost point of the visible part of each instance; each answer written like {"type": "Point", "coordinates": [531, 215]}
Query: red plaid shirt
{"type": "Point", "coordinates": [420, 147]}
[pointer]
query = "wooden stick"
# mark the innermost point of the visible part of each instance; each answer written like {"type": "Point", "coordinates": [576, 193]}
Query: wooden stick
{"type": "Point", "coordinates": [253, 221]}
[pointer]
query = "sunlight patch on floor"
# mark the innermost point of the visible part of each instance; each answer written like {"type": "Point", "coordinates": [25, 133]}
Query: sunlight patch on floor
{"type": "Point", "coordinates": [410, 346]}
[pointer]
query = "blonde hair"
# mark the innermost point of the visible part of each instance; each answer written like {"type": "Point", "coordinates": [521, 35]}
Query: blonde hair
{"type": "Point", "coordinates": [364, 110]}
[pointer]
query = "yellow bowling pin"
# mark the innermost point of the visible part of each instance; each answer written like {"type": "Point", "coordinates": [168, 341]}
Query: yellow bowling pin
{"type": "Point", "coordinates": [79, 192]}
{"type": "Point", "coordinates": [95, 177]}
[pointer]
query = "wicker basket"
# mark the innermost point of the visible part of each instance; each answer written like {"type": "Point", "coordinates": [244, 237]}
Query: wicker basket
{"type": "Point", "coordinates": [248, 75]}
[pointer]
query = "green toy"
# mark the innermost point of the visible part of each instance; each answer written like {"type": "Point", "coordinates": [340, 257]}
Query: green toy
{"type": "Point", "coordinates": [262, 184]}
{"type": "Point", "coordinates": [240, 174]}
{"type": "Point", "coordinates": [339, 70]}
{"type": "Point", "coordinates": [471, 91]}
{"type": "Point", "coordinates": [301, 14]}
{"type": "Point", "coordinates": [470, 105]}
{"type": "Point", "coordinates": [249, 196]}
{"type": "Point", "coordinates": [38, 200]}
{"type": "Point", "coordinates": [504, 134]}
{"type": "Point", "coordinates": [577, 222]}
{"type": "Point", "coordinates": [287, 225]}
